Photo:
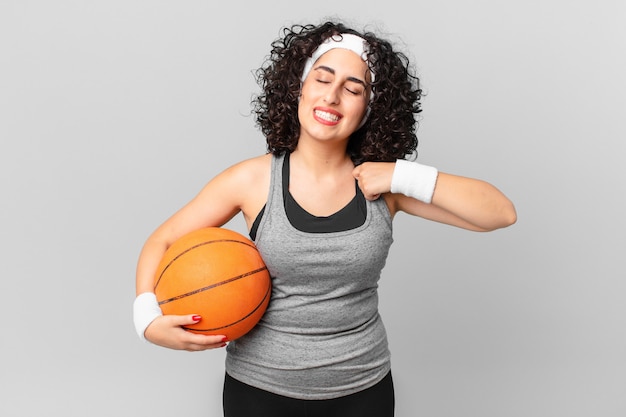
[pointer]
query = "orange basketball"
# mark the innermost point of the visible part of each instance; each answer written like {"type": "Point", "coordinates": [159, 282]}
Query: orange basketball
{"type": "Point", "coordinates": [218, 274]}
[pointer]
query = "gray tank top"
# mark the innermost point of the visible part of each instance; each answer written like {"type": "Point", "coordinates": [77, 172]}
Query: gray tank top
{"type": "Point", "coordinates": [321, 336]}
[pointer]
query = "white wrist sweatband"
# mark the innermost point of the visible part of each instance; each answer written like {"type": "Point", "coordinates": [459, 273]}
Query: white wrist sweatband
{"type": "Point", "coordinates": [414, 180]}
{"type": "Point", "coordinates": [145, 310]}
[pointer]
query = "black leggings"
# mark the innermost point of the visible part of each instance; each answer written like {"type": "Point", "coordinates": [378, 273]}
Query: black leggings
{"type": "Point", "coordinates": [242, 400]}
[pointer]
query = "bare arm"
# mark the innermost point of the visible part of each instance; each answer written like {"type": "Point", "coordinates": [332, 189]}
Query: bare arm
{"type": "Point", "coordinates": [458, 201]}
{"type": "Point", "coordinates": [213, 206]}
{"type": "Point", "coordinates": [239, 188]}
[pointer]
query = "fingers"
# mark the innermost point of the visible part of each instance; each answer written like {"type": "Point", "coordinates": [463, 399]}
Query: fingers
{"type": "Point", "coordinates": [186, 320]}
{"type": "Point", "coordinates": [197, 342]}
{"type": "Point", "coordinates": [374, 178]}
{"type": "Point", "coordinates": [168, 331]}
{"type": "Point", "coordinates": [193, 342]}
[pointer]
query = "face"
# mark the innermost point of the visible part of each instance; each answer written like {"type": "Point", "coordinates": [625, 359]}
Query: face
{"type": "Point", "coordinates": [334, 96]}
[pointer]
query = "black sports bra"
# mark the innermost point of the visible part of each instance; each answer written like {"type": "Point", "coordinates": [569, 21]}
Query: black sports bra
{"type": "Point", "coordinates": [349, 217]}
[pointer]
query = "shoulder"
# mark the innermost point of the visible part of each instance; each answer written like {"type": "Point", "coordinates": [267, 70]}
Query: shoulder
{"type": "Point", "coordinates": [250, 171]}
{"type": "Point", "coordinates": [246, 184]}
{"type": "Point", "coordinates": [239, 180]}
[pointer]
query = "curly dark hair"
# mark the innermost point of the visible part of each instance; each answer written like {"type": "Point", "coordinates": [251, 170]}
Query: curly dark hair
{"type": "Point", "coordinates": [388, 133]}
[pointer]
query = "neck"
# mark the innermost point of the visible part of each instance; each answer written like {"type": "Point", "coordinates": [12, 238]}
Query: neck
{"type": "Point", "coordinates": [324, 157]}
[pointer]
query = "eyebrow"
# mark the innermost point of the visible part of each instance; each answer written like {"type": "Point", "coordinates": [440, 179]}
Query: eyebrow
{"type": "Point", "coordinates": [332, 71]}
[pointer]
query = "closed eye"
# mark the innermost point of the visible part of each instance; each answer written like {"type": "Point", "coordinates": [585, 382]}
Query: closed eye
{"type": "Point", "coordinates": [325, 74]}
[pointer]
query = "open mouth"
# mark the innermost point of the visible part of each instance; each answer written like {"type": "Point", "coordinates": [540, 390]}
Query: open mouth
{"type": "Point", "coordinates": [326, 116]}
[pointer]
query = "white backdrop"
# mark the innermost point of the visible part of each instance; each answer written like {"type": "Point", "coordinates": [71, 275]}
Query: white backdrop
{"type": "Point", "coordinates": [115, 113]}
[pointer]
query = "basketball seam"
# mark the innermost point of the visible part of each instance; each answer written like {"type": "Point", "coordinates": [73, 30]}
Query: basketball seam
{"type": "Point", "coordinates": [267, 292]}
{"type": "Point", "coordinates": [208, 287]}
{"type": "Point", "coordinates": [156, 284]}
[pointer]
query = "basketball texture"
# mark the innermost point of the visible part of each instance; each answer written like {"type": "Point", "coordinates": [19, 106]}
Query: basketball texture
{"type": "Point", "coordinates": [218, 274]}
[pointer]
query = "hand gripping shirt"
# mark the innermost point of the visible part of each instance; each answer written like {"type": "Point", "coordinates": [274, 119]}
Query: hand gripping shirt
{"type": "Point", "coordinates": [321, 336]}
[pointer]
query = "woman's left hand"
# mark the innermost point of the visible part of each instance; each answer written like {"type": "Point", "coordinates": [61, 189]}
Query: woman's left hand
{"type": "Point", "coordinates": [374, 178]}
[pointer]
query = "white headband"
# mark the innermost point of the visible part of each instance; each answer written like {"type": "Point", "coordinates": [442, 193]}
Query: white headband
{"type": "Point", "coordinates": [348, 41]}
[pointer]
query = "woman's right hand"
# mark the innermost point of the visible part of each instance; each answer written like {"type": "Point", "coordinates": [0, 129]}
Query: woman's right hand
{"type": "Point", "coordinates": [167, 331]}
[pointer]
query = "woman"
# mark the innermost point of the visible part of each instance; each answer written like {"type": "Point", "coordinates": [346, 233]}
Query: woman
{"type": "Point", "coordinates": [338, 110]}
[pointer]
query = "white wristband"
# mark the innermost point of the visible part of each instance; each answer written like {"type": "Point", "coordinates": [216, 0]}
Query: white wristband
{"type": "Point", "coordinates": [414, 180]}
{"type": "Point", "coordinates": [145, 310]}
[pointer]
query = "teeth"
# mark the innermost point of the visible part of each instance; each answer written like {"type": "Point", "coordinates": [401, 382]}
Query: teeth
{"type": "Point", "coordinates": [326, 116]}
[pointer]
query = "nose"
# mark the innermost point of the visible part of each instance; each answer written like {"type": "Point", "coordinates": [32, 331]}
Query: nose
{"type": "Point", "coordinates": [332, 94]}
